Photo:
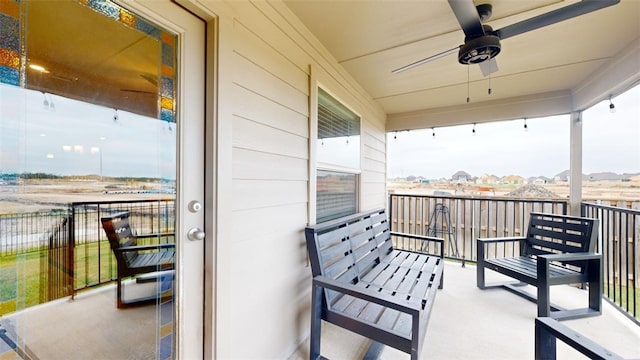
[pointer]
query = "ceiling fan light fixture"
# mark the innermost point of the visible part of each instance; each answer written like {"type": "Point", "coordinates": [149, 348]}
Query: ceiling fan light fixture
{"type": "Point", "coordinates": [480, 49]}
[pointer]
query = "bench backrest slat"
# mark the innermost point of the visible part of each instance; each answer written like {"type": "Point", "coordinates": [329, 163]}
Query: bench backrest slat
{"type": "Point", "coordinates": [553, 234]}
{"type": "Point", "coordinates": [345, 248]}
{"type": "Point", "coordinates": [120, 235]}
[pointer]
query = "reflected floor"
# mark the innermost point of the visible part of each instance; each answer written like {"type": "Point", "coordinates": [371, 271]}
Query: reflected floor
{"type": "Point", "coordinates": [87, 327]}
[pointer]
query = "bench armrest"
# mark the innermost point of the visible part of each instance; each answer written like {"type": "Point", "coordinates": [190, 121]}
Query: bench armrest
{"type": "Point", "coordinates": [547, 330]}
{"type": "Point", "coordinates": [423, 238]}
{"type": "Point", "coordinates": [501, 239]}
{"type": "Point", "coordinates": [379, 298]}
{"type": "Point", "coordinates": [580, 256]}
{"type": "Point", "coordinates": [145, 247]}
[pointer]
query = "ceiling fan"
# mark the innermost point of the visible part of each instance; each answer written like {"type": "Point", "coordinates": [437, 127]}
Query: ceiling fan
{"type": "Point", "coordinates": [482, 43]}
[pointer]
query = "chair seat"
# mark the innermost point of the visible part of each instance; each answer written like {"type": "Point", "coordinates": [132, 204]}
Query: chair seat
{"type": "Point", "coordinates": [161, 260]}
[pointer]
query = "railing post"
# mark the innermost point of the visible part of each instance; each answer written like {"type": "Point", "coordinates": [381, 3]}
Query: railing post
{"type": "Point", "coordinates": [71, 251]}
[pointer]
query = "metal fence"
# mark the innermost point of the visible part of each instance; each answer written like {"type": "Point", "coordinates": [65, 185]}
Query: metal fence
{"type": "Point", "coordinates": [69, 246]}
{"type": "Point", "coordinates": [460, 220]}
{"type": "Point", "coordinates": [94, 262]}
{"type": "Point", "coordinates": [28, 232]}
{"type": "Point", "coordinates": [620, 247]}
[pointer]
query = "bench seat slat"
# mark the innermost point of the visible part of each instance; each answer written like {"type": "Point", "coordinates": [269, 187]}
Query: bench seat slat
{"type": "Point", "coordinates": [528, 266]}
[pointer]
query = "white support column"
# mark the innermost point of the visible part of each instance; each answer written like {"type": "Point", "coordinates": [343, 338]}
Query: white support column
{"type": "Point", "coordinates": [575, 164]}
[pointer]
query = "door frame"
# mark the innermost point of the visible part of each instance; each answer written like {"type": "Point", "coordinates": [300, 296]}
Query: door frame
{"type": "Point", "coordinates": [194, 333]}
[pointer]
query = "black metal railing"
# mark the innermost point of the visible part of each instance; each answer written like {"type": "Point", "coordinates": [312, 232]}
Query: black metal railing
{"type": "Point", "coordinates": [460, 220]}
{"type": "Point", "coordinates": [94, 263]}
{"type": "Point", "coordinates": [28, 232]}
{"type": "Point", "coordinates": [620, 247]}
{"type": "Point", "coordinates": [69, 247]}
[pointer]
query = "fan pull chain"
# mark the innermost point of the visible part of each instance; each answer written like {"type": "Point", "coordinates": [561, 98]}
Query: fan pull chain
{"type": "Point", "coordinates": [489, 90]}
{"type": "Point", "coordinates": [468, 98]}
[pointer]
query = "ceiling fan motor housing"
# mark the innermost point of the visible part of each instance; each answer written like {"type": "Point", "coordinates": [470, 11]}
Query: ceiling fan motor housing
{"type": "Point", "coordinates": [479, 49]}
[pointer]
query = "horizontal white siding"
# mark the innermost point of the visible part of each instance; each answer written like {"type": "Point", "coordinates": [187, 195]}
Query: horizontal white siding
{"type": "Point", "coordinates": [262, 287]}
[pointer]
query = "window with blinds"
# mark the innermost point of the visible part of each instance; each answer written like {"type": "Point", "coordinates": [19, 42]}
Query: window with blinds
{"type": "Point", "coordinates": [338, 154]}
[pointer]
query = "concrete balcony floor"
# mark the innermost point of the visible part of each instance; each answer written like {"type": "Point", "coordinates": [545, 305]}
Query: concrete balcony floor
{"type": "Point", "coordinates": [469, 323]}
{"type": "Point", "coordinates": [466, 323]}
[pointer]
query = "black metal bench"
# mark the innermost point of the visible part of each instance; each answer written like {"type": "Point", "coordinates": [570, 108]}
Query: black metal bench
{"type": "Point", "coordinates": [363, 284]}
{"type": "Point", "coordinates": [558, 249]}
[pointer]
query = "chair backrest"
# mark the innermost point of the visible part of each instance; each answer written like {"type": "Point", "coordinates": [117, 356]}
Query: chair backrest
{"type": "Point", "coordinates": [344, 248]}
{"type": "Point", "coordinates": [552, 233]}
{"type": "Point", "coordinates": [119, 233]}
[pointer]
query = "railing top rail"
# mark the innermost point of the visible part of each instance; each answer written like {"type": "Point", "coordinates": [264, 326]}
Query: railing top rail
{"type": "Point", "coordinates": [107, 202]}
{"type": "Point", "coordinates": [612, 208]}
{"type": "Point", "coordinates": [492, 198]}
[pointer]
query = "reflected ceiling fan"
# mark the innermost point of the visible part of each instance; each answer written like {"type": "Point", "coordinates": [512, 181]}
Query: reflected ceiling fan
{"type": "Point", "coordinates": [482, 43]}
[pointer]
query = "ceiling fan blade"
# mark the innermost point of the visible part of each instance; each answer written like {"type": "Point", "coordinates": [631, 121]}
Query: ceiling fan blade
{"type": "Point", "coordinates": [426, 60]}
{"type": "Point", "coordinates": [468, 17]}
{"type": "Point", "coordinates": [488, 67]}
{"type": "Point", "coordinates": [552, 17]}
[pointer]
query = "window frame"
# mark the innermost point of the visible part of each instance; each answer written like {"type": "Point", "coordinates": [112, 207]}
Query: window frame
{"type": "Point", "coordinates": [348, 101]}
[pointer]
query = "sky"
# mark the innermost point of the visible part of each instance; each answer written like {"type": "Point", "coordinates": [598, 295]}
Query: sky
{"type": "Point", "coordinates": [611, 143]}
{"type": "Point", "coordinates": [77, 138]}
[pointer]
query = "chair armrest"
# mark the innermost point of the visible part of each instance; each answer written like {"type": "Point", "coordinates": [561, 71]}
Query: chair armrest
{"type": "Point", "coordinates": [145, 247]}
{"type": "Point", "coordinates": [423, 238]}
{"type": "Point", "coordinates": [155, 235]}
{"type": "Point", "coordinates": [501, 239]}
{"type": "Point", "coordinates": [579, 256]}
{"type": "Point", "coordinates": [379, 298]}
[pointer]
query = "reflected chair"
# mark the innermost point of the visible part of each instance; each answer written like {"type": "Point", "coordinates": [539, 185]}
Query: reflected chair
{"type": "Point", "coordinates": [134, 259]}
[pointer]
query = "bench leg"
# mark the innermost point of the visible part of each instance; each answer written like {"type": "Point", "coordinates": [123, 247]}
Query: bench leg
{"type": "Point", "coordinates": [316, 321]}
{"type": "Point", "coordinates": [594, 269]}
{"type": "Point", "coordinates": [544, 292]}
{"type": "Point", "coordinates": [480, 282]}
{"type": "Point", "coordinates": [545, 347]}
{"type": "Point", "coordinates": [119, 294]}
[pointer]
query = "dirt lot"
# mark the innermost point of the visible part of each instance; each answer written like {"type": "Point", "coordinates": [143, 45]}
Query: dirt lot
{"type": "Point", "coordinates": [45, 195]}
{"type": "Point", "coordinates": [596, 190]}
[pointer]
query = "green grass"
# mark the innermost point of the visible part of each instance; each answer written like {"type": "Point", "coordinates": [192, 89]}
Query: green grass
{"type": "Point", "coordinates": [23, 276]}
{"type": "Point", "coordinates": [20, 281]}
{"type": "Point", "coordinates": [620, 297]}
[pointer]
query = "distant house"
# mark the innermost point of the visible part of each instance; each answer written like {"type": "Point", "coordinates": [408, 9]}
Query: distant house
{"type": "Point", "coordinates": [606, 176]}
{"type": "Point", "coordinates": [563, 176]}
{"type": "Point", "coordinates": [461, 177]}
{"type": "Point", "coordinates": [540, 180]}
{"type": "Point", "coordinates": [513, 180]}
{"type": "Point", "coordinates": [487, 179]}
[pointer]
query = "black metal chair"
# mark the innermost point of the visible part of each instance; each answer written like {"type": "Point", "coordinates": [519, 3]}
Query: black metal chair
{"type": "Point", "coordinates": [134, 259]}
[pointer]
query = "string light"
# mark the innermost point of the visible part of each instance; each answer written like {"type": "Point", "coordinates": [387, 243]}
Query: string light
{"type": "Point", "coordinates": [115, 115]}
{"type": "Point", "coordinates": [612, 108]}
{"type": "Point", "coordinates": [48, 101]}
{"type": "Point", "coordinates": [526, 128]}
{"type": "Point", "coordinates": [473, 131]}
{"type": "Point", "coordinates": [395, 136]}
{"type": "Point", "coordinates": [433, 133]}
